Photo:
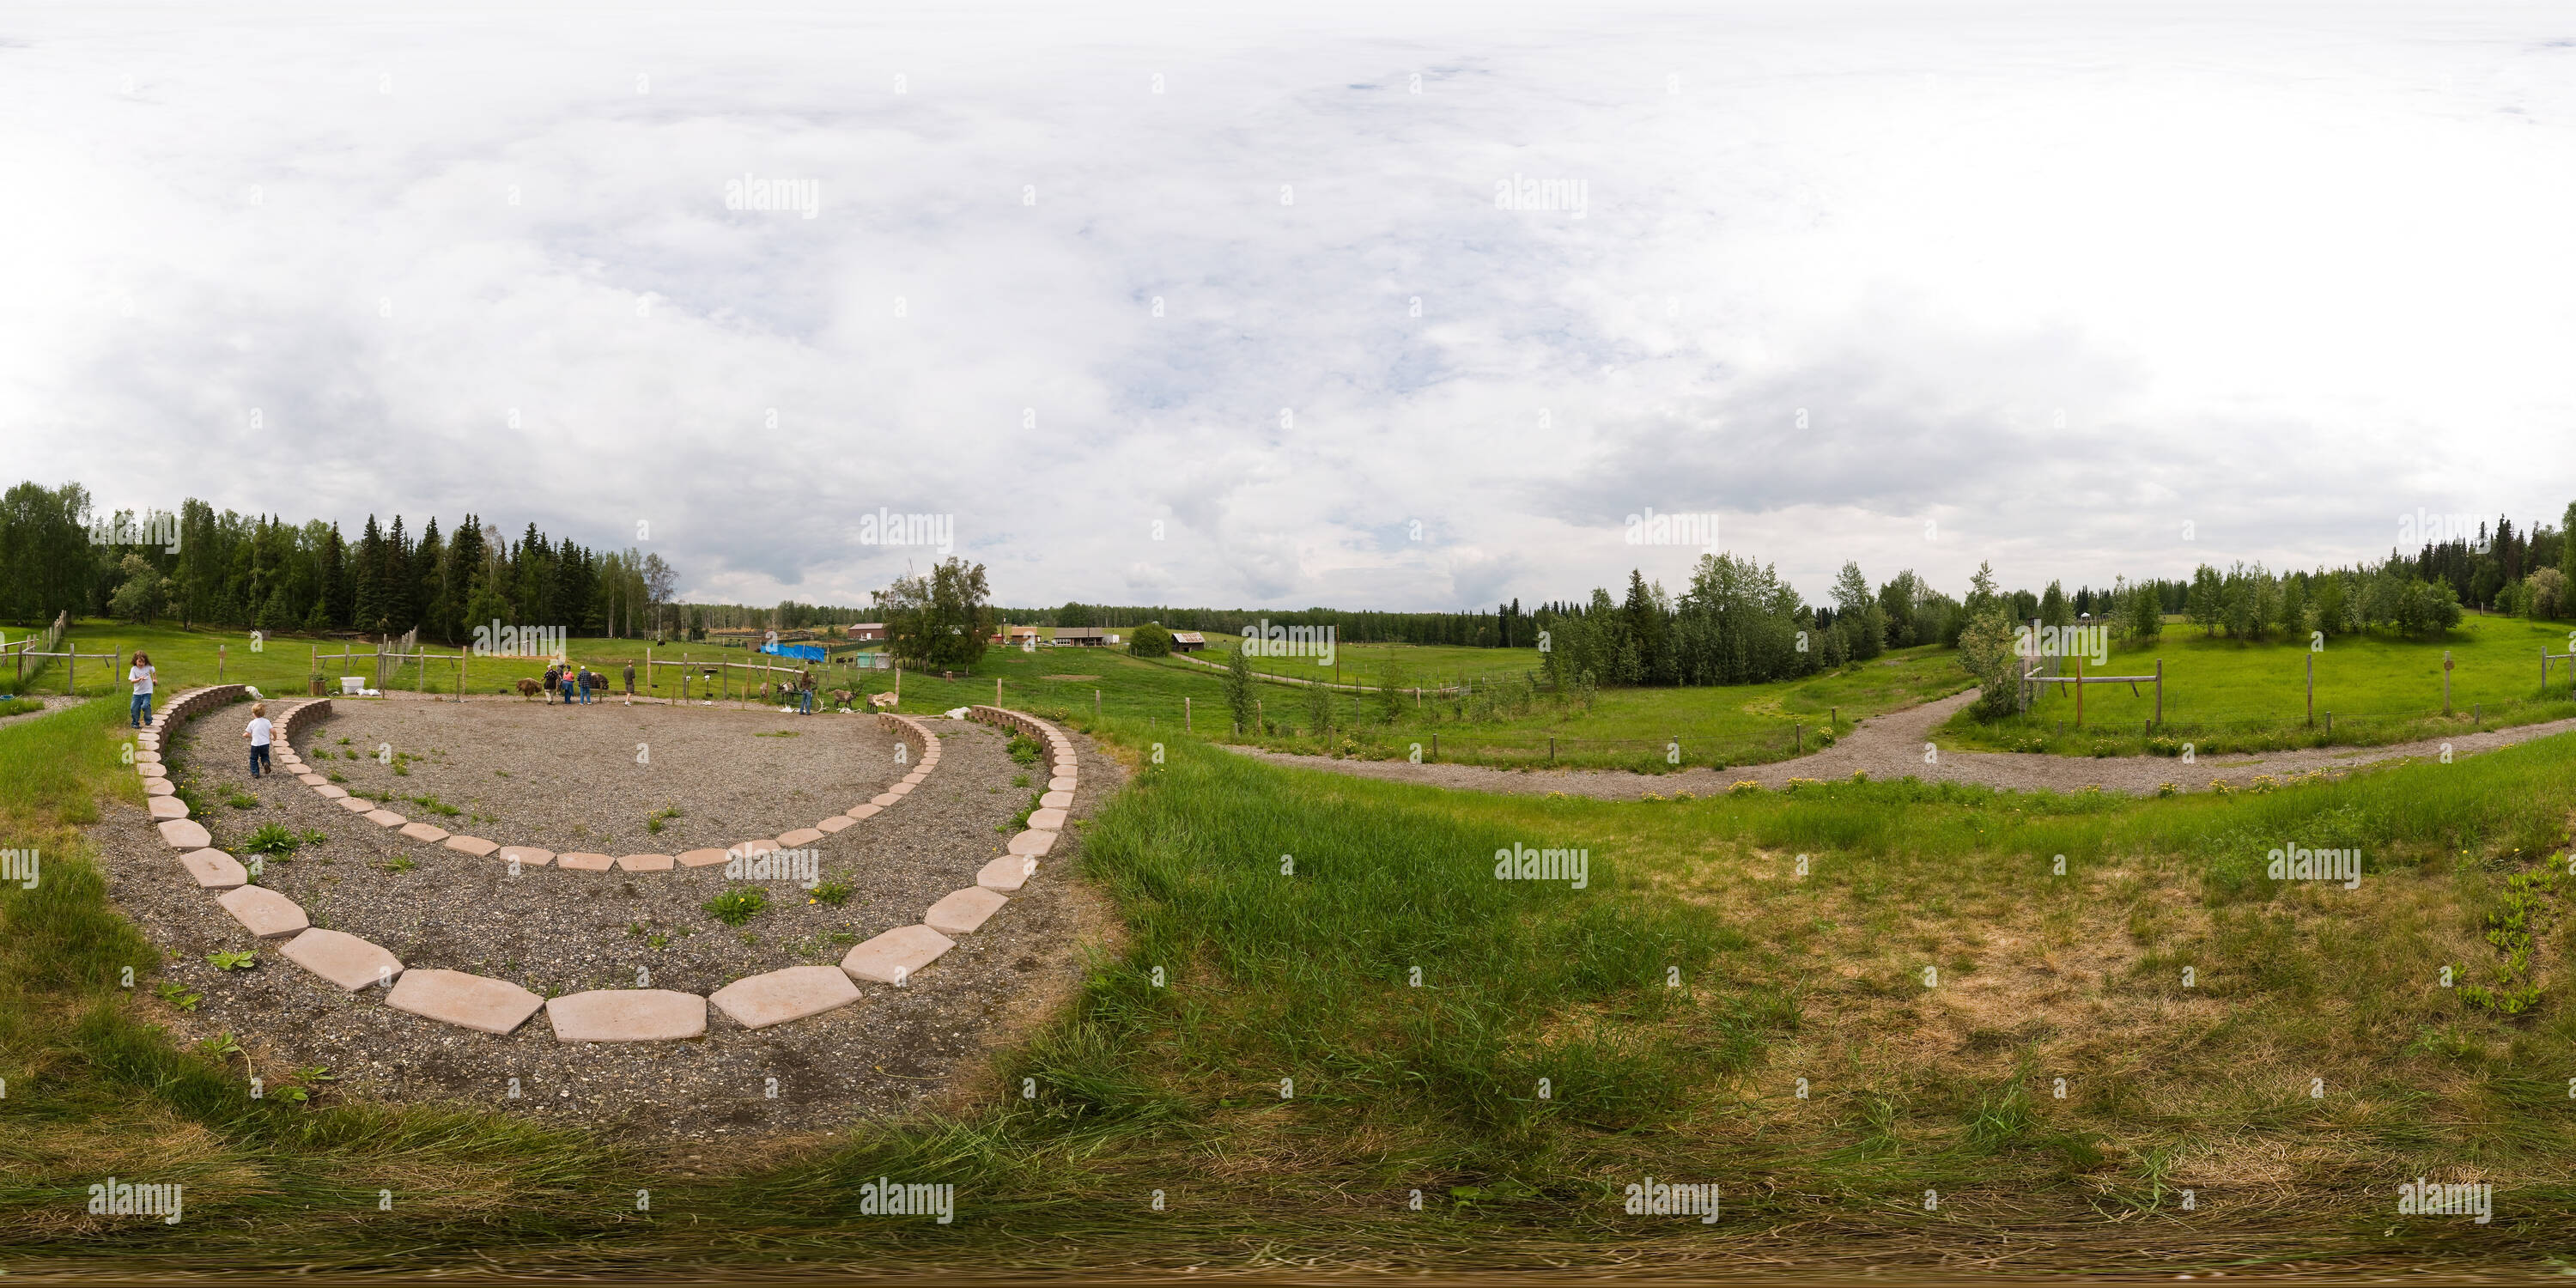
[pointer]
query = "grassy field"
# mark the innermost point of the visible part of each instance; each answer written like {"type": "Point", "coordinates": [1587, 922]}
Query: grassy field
{"type": "Point", "coordinates": [2222, 696]}
{"type": "Point", "coordinates": [1672, 1005]}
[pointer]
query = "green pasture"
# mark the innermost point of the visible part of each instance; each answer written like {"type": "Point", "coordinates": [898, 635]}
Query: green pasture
{"type": "Point", "coordinates": [2224, 696]}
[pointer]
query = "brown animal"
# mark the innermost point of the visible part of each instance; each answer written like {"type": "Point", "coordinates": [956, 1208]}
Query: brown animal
{"type": "Point", "coordinates": [883, 700]}
{"type": "Point", "coordinates": [841, 696]}
{"type": "Point", "coordinates": [530, 688]}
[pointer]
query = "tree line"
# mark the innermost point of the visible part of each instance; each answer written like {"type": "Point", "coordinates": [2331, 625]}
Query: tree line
{"type": "Point", "coordinates": [262, 572]}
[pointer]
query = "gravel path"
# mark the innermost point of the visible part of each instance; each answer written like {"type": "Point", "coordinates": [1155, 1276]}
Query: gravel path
{"type": "Point", "coordinates": [555, 931]}
{"type": "Point", "coordinates": [1892, 746]}
{"type": "Point", "coordinates": [52, 705]}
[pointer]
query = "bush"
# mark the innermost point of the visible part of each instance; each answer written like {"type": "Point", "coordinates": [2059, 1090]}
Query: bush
{"type": "Point", "coordinates": [1149, 640]}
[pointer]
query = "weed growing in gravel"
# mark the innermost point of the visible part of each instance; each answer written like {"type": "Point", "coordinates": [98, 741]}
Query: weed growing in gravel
{"type": "Point", "coordinates": [232, 961]}
{"type": "Point", "coordinates": [337, 777]}
{"type": "Point", "coordinates": [1019, 780]}
{"type": "Point", "coordinates": [783, 733]}
{"type": "Point", "coordinates": [398, 863]}
{"type": "Point", "coordinates": [177, 996]}
{"type": "Point", "coordinates": [276, 839]}
{"type": "Point", "coordinates": [834, 893]}
{"type": "Point", "coordinates": [242, 800]}
{"type": "Point", "coordinates": [738, 905]}
{"type": "Point", "coordinates": [1021, 819]}
{"type": "Point", "coordinates": [661, 818]}
{"type": "Point", "coordinates": [1025, 749]}
{"type": "Point", "coordinates": [435, 806]}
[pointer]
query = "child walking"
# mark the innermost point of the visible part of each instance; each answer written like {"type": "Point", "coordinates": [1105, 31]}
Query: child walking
{"type": "Point", "coordinates": [258, 733]}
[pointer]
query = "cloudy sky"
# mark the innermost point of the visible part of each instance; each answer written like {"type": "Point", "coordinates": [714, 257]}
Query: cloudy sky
{"type": "Point", "coordinates": [2079, 289]}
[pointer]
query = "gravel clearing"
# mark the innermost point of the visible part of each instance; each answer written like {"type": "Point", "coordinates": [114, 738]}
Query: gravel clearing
{"type": "Point", "coordinates": [554, 931]}
{"type": "Point", "coordinates": [1891, 746]}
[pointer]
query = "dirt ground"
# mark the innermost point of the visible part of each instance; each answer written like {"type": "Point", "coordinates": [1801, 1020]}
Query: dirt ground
{"type": "Point", "coordinates": [554, 931]}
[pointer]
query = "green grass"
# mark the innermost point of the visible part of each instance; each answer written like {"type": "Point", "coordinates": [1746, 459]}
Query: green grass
{"type": "Point", "coordinates": [2225, 697]}
{"type": "Point", "coordinates": [1671, 1005]}
{"type": "Point", "coordinates": [18, 707]}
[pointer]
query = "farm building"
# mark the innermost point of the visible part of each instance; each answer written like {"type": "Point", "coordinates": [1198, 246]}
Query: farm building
{"type": "Point", "coordinates": [1188, 641]}
{"type": "Point", "coordinates": [1082, 636]}
{"type": "Point", "coordinates": [864, 631]}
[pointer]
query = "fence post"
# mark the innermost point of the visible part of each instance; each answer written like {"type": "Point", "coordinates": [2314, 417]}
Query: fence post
{"type": "Point", "coordinates": [2160, 691]}
{"type": "Point", "coordinates": [2312, 690]}
{"type": "Point", "coordinates": [1186, 726]}
{"type": "Point", "coordinates": [1435, 746]}
{"type": "Point", "coordinates": [1798, 736]}
{"type": "Point", "coordinates": [1551, 749]}
{"type": "Point", "coordinates": [2079, 693]}
{"type": "Point", "coordinates": [1095, 704]}
{"type": "Point", "coordinates": [2446, 682]}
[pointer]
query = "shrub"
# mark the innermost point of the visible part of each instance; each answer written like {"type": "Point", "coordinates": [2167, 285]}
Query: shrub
{"type": "Point", "coordinates": [273, 838]}
{"type": "Point", "coordinates": [1149, 640]}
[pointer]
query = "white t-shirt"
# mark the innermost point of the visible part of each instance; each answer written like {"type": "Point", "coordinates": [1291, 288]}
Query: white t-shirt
{"type": "Point", "coordinates": [142, 677]}
{"type": "Point", "coordinates": [259, 731]}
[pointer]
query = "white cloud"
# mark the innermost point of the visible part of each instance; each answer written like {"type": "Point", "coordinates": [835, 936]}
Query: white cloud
{"type": "Point", "coordinates": [2283, 274]}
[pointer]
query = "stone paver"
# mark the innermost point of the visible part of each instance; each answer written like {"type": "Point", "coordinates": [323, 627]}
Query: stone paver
{"type": "Point", "coordinates": [159, 787]}
{"type": "Point", "coordinates": [185, 834]}
{"type": "Point", "coordinates": [1062, 783]}
{"type": "Point", "coordinates": [1056, 800]}
{"type": "Point", "coordinates": [832, 826]}
{"type": "Point", "coordinates": [330, 793]}
{"type": "Point", "coordinates": [627, 1015]}
{"type": "Point", "coordinates": [799, 839]}
{"type": "Point", "coordinates": [751, 848]}
{"type": "Point", "coordinates": [356, 804]}
{"type": "Point", "coordinates": [474, 845]}
{"type": "Point", "coordinates": [152, 771]}
{"type": "Point", "coordinates": [475, 1002]}
{"type": "Point", "coordinates": [1007, 873]}
{"type": "Point", "coordinates": [166, 807]}
{"type": "Point", "coordinates": [701, 858]}
{"type": "Point", "coordinates": [1033, 843]}
{"type": "Point", "coordinates": [529, 856]}
{"type": "Point", "coordinates": [263, 911]}
{"type": "Point", "coordinates": [315, 780]}
{"type": "Point", "coordinates": [783, 995]}
{"type": "Point", "coordinates": [883, 799]}
{"type": "Point", "coordinates": [897, 955]}
{"type": "Point", "coordinates": [867, 811]}
{"type": "Point", "coordinates": [1047, 820]}
{"type": "Point", "coordinates": [963, 911]}
{"type": "Point", "coordinates": [585, 862]}
{"type": "Point", "coordinates": [422, 831]}
{"type": "Point", "coordinates": [344, 959]}
{"type": "Point", "coordinates": [645, 862]}
{"type": "Point", "coordinates": [900, 790]}
{"type": "Point", "coordinates": [916, 776]}
{"type": "Point", "coordinates": [214, 869]}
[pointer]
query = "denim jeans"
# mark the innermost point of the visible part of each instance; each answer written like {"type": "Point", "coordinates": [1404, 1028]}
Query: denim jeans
{"type": "Point", "coordinates": [140, 715]}
{"type": "Point", "coordinates": [258, 761]}
{"type": "Point", "coordinates": [585, 695]}
{"type": "Point", "coordinates": [808, 696]}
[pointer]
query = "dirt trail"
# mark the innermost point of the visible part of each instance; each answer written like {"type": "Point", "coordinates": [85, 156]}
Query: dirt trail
{"type": "Point", "coordinates": [1892, 746]}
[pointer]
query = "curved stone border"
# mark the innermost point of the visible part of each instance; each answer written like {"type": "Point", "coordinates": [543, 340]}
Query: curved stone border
{"type": "Point", "coordinates": [298, 717]}
{"type": "Point", "coordinates": [498, 1006]}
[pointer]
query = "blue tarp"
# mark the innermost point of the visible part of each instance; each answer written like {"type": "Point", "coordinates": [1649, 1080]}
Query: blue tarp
{"type": "Point", "coordinates": [809, 652]}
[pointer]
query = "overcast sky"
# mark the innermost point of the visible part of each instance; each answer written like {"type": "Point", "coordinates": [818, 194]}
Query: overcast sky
{"type": "Point", "coordinates": [2082, 290]}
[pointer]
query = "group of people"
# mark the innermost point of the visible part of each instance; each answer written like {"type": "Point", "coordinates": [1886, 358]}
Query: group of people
{"type": "Point", "coordinates": [577, 683]}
